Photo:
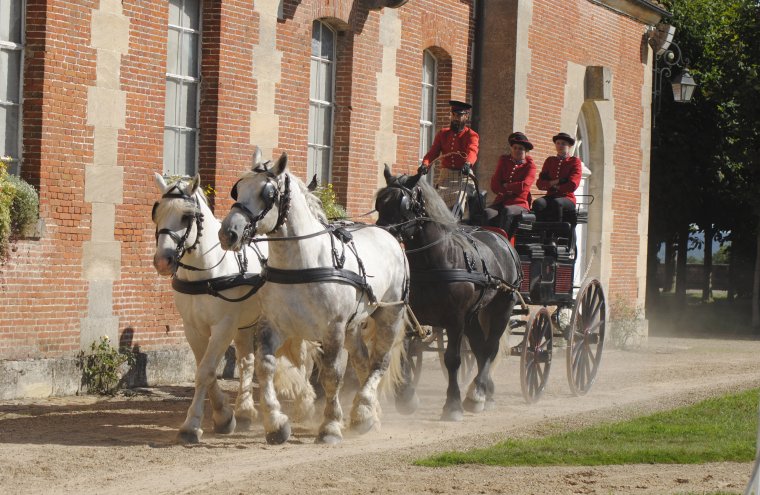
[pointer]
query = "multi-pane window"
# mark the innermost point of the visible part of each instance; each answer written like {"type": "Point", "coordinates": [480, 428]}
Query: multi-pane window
{"type": "Point", "coordinates": [182, 81]}
{"type": "Point", "coordinates": [321, 102]}
{"type": "Point", "coordinates": [11, 72]}
{"type": "Point", "coordinates": [427, 116]}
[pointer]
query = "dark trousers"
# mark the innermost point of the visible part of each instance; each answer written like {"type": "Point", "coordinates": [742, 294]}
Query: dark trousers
{"type": "Point", "coordinates": [552, 209]}
{"type": "Point", "coordinates": [507, 216]}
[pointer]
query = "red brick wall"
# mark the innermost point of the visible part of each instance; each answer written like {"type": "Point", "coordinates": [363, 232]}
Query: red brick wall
{"type": "Point", "coordinates": [42, 294]}
{"type": "Point", "coordinates": [606, 39]}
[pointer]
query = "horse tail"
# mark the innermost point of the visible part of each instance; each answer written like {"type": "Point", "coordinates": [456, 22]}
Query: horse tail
{"type": "Point", "coordinates": [295, 362]}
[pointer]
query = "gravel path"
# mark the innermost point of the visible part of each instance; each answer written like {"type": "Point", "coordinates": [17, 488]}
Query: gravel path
{"type": "Point", "coordinates": [123, 445]}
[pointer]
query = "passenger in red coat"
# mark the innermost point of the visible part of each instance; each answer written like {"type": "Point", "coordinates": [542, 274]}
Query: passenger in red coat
{"type": "Point", "coordinates": [514, 176]}
{"type": "Point", "coordinates": [560, 177]}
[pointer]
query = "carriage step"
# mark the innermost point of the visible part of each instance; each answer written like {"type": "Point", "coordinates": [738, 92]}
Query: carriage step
{"type": "Point", "coordinates": [521, 311]}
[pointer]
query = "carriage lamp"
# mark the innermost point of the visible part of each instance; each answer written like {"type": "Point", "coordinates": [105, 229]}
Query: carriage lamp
{"type": "Point", "coordinates": [667, 58]}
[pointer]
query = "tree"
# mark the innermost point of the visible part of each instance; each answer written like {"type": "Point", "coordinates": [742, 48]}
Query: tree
{"type": "Point", "coordinates": [707, 149]}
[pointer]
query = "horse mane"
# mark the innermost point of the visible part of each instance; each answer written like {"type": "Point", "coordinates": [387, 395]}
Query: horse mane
{"type": "Point", "coordinates": [312, 200]}
{"type": "Point", "coordinates": [434, 205]}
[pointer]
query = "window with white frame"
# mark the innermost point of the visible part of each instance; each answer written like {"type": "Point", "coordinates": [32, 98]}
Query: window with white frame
{"type": "Point", "coordinates": [321, 102]}
{"type": "Point", "coordinates": [182, 82]}
{"type": "Point", "coordinates": [11, 79]}
{"type": "Point", "coordinates": [427, 115]}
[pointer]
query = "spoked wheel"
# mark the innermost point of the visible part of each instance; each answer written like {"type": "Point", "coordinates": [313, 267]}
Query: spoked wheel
{"type": "Point", "coordinates": [468, 364]}
{"type": "Point", "coordinates": [586, 337]}
{"type": "Point", "coordinates": [536, 356]}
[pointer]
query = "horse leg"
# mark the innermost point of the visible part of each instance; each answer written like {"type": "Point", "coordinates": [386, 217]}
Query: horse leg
{"type": "Point", "coordinates": [452, 409]}
{"type": "Point", "coordinates": [208, 353]}
{"type": "Point", "coordinates": [331, 378]}
{"type": "Point", "coordinates": [295, 362]}
{"type": "Point", "coordinates": [364, 411]}
{"type": "Point", "coordinates": [405, 393]}
{"type": "Point", "coordinates": [245, 410]}
{"type": "Point", "coordinates": [276, 423]}
{"type": "Point", "coordinates": [475, 399]}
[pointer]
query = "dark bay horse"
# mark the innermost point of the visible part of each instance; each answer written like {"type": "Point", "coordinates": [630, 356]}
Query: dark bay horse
{"type": "Point", "coordinates": [462, 279]}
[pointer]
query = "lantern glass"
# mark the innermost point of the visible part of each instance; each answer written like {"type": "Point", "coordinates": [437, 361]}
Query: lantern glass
{"type": "Point", "coordinates": [683, 87]}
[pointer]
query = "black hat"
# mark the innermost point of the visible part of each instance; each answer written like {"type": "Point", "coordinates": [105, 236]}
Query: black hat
{"type": "Point", "coordinates": [459, 106]}
{"type": "Point", "coordinates": [565, 137]}
{"type": "Point", "coordinates": [520, 138]}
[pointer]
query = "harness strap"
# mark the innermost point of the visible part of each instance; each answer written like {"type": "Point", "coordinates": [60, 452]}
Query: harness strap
{"type": "Point", "coordinates": [450, 275]}
{"type": "Point", "coordinates": [213, 286]}
{"type": "Point", "coordinates": [322, 274]}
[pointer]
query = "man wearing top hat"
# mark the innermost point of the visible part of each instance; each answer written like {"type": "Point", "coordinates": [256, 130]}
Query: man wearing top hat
{"type": "Point", "coordinates": [560, 177]}
{"type": "Point", "coordinates": [457, 148]}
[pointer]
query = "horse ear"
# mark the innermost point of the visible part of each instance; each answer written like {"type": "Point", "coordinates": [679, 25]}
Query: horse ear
{"type": "Point", "coordinates": [388, 175]}
{"type": "Point", "coordinates": [256, 158]}
{"type": "Point", "coordinates": [195, 184]}
{"type": "Point", "coordinates": [281, 164]}
{"type": "Point", "coordinates": [160, 182]}
{"type": "Point", "coordinates": [313, 185]}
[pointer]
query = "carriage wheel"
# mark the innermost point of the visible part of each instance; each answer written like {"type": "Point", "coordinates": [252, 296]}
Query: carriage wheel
{"type": "Point", "coordinates": [586, 337]}
{"type": "Point", "coordinates": [536, 356]}
{"type": "Point", "coordinates": [468, 364]}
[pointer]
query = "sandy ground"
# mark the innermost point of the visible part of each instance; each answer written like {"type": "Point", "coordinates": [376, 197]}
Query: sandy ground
{"type": "Point", "coordinates": [122, 445]}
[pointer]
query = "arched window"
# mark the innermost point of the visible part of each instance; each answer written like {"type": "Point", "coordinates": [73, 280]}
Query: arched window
{"type": "Point", "coordinates": [427, 114]}
{"type": "Point", "coordinates": [11, 80]}
{"type": "Point", "coordinates": [321, 102]}
{"type": "Point", "coordinates": [182, 78]}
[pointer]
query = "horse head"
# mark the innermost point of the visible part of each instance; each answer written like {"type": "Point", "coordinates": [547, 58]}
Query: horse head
{"type": "Point", "coordinates": [179, 222]}
{"type": "Point", "coordinates": [262, 199]}
{"type": "Point", "coordinates": [400, 203]}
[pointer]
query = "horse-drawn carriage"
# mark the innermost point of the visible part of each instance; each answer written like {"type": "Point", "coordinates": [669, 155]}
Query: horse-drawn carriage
{"type": "Point", "coordinates": [548, 256]}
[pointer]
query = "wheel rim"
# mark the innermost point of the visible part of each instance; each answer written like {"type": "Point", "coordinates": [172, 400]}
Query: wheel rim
{"type": "Point", "coordinates": [536, 356]}
{"type": "Point", "coordinates": [586, 337]}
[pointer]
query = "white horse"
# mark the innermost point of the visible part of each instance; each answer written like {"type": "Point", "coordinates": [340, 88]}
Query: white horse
{"type": "Point", "coordinates": [321, 286]}
{"type": "Point", "coordinates": [187, 249]}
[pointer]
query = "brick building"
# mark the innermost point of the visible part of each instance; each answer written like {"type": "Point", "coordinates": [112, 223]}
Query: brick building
{"type": "Point", "coordinates": [96, 95]}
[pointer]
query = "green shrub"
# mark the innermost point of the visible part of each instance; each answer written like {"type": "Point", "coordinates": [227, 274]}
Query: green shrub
{"type": "Point", "coordinates": [625, 323]}
{"type": "Point", "coordinates": [333, 210]}
{"type": "Point", "coordinates": [19, 206]}
{"type": "Point", "coordinates": [100, 366]}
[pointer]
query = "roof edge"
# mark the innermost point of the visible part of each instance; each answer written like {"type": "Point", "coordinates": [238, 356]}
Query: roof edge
{"type": "Point", "coordinates": [645, 11]}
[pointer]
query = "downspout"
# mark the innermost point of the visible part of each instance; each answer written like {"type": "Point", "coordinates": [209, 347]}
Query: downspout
{"type": "Point", "coordinates": [477, 55]}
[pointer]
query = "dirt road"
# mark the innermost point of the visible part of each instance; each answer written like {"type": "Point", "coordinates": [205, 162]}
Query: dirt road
{"type": "Point", "coordinates": [123, 445]}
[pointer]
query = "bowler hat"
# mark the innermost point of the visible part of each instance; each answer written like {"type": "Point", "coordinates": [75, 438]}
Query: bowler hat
{"type": "Point", "coordinates": [565, 137]}
{"type": "Point", "coordinates": [459, 106]}
{"type": "Point", "coordinates": [520, 138]}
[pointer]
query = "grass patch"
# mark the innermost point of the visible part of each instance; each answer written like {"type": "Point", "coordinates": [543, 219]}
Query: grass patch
{"type": "Point", "coordinates": [715, 430]}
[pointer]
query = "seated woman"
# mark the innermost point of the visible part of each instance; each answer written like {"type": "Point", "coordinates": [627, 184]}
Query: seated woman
{"type": "Point", "coordinates": [512, 181]}
{"type": "Point", "coordinates": [560, 177]}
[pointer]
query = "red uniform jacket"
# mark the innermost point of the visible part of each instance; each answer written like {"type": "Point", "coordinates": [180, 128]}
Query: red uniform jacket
{"type": "Point", "coordinates": [446, 141]}
{"type": "Point", "coordinates": [512, 182]}
{"type": "Point", "coordinates": [567, 170]}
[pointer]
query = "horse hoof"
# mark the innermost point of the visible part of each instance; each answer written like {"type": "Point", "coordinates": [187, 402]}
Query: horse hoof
{"type": "Point", "coordinates": [454, 415]}
{"type": "Point", "coordinates": [362, 427]}
{"type": "Point", "coordinates": [473, 406]}
{"type": "Point", "coordinates": [225, 428]}
{"type": "Point", "coordinates": [408, 406]}
{"type": "Point", "coordinates": [280, 436]}
{"type": "Point", "coordinates": [189, 436]}
{"type": "Point", "coordinates": [328, 439]}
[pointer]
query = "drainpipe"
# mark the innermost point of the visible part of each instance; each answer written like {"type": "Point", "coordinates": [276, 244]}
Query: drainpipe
{"type": "Point", "coordinates": [477, 55]}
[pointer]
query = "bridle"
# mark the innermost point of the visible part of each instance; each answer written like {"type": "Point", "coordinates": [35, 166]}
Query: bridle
{"type": "Point", "coordinates": [271, 195]}
{"type": "Point", "coordinates": [197, 216]}
{"type": "Point", "coordinates": [411, 211]}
